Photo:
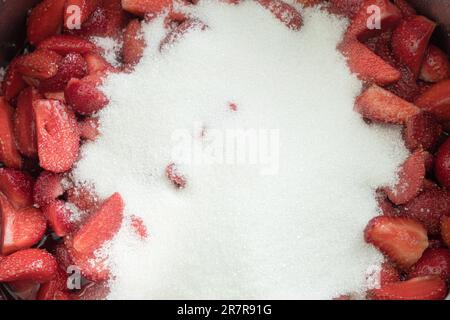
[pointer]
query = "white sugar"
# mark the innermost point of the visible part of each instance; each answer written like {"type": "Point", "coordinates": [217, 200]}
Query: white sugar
{"type": "Point", "coordinates": [111, 49]}
{"type": "Point", "coordinates": [287, 222]}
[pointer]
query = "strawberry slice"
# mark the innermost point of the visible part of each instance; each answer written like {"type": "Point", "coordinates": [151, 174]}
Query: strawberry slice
{"type": "Point", "coordinates": [436, 100]}
{"type": "Point", "coordinates": [45, 20]}
{"type": "Point", "coordinates": [183, 28]}
{"type": "Point", "coordinates": [65, 44]}
{"type": "Point", "coordinates": [41, 64]}
{"type": "Point", "coordinates": [57, 135]}
{"type": "Point", "coordinates": [96, 64]}
{"type": "Point", "coordinates": [20, 229]}
{"type": "Point", "coordinates": [410, 41]}
{"type": "Point", "coordinates": [434, 262]}
{"type": "Point", "coordinates": [85, 7]}
{"type": "Point", "coordinates": [378, 104]}
{"type": "Point", "coordinates": [62, 256]}
{"type": "Point", "coordinates": [142, 7]}
{"type": "Point", "coordinates": [58, 216]}
{"type": "Point", "coordinates": [24, 124]}
{"type": "Point", "coordinates": [17, 186]}
{"type": "Point", "coordinates": [422, 131]}
{"type": "Point", "coordinates": [442, 164]}
{"type": "Point", "coordinates": [402, 240]}
{"type": "Point", "coordinates": [59, 96]}
{"type": "Point", "coordinates": [48, 187]}
{"type": "Point", "coordinates": [83, 95]}
{"type": "Point", "coordinates": [410, 179]}
{"type": "Point", "coordinates": [421, 288]}
{"type": "Point", "coordinates": [347, 8]}
{"type": "Point", "coordinates": [435, 66]}
{"type": "Point", "coordinates": [390, 17]}
{"type": "Point", "coordinates": [13, 82]}
{"type": "Point", "coordinates": [405, 8]}
{"type": "Point", "coordinates": [389, 274]}
{"type": "Point", "coordinates": [367, 65]}
{"type": "Point", "coordinates": [89, 129]}
{"type": "Point", "coordinates": [133, 43]}
{"type": "Point", "coordinates": [284, 12]}
{"type": "Point", "coordinates": [445, 230]}
{"type": "Point", "coordinates": [428, 208]}
{"type": "Point", "coordinates": [9, 154]}
{"type": "Point", "coordinates": [30, 264]}
{"type": "Point", "coordinates": [51, 290]}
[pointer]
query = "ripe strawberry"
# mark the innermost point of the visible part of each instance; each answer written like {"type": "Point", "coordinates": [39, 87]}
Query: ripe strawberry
{"type": "Point", "coordinates": [435, 66]}
{"type": "Point", "coordinates": [379, 104]}
{"type": "Point", "coordinates": [41, 64]}
{"type": "Point", "coordinates": [410, 41]}
{"type": "Point", "coordinates": [367, 65]}
{"type": "Point", "coordinates": [57, 135]}
{"type": "Point", "coordinates": [445, 230]}
{"type": "Point", "coordinates": [346, 8]}
{"type": "Point", "coordinates": [403, 240]}
{"type": "Point", "coordinates": [58, 216]}
{"type": "Point", "coordinates": [434, 262]}
{"type": "Point", "coordinates": [405, 8]}
{"type": "Point", "coordinates": [30, 264]}
{"type": "Point", "coordinates": [85, 7]}
{"type": "Point", "coordinates": [422, 131]}
{"type": "Point", "coordinates": [17, 186]}
{"type": "Point", "coordinates": [175, 177]}
{"type": "Point", "coordinates": [65, 44]}
{"type": "Point", "coordinates": [84, 97]}
{"type": "Point", "coordinates": [45, 20]}
{"type": "Point", "coordinates": [96, 64]}
{"type": "Point", "coordinates": [284, 12]}
{"type": "Point", "coordinates": [13, 82]}
{"type": "Point", "coordinates": [142, 7]}
{"type": "Point", "coordinates": [48, 187]}
{"type": "Point", "coordinates": [389, 274]}
{"type": "Point", "coordinates": [9, 154]}
{"type": "Point", "coordinates": [89, 129]}
{"type": "Point", "coordinates": [421, 288]}
{"type": "Point", "coordinates": [24, 124]}
{"type": "Point", "coordinates": [51, 290]}
{"type": "Point", "coordinates": [436, 100]}
{"type": "Point", "coordinates": [442, 164]}
{"type": "Point", "coordinates": [133, 43]}
{"type": "Point", "coordinates": [177, 33]}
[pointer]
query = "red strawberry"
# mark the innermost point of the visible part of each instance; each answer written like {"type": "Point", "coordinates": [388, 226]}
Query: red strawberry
{"type": "Point", "coordinates": [58, 216]}
{"type": "Point", "coordinates": [20, 229]}
{"type": "Point", "coordinates": [25, 289]}
{"type": "Point", "coordinates": [442, 164]}
{"type": "Point", "coordinates": [410, 41]}
{"type": "Point", "coordinates": [9, 154]}
{"type": "Point", "coordinates": [84, 198]}
{"type": "Point", "coordinates": [407, 87]}
{"type": "Point", "coordinates": [175, 177]}
{"type": "Point", "coordinates": [45, 20]}
{"type": "Point", "coordinates": [13, 82]}
{"type": "Point", "coordinates": [422, 131]}
{"type": "Point", "coordinates": [367, 65]}
{"type": "Point", "coordinates": [405, 8]}
{"type": "Point", "coordinates": [89, 128]}
{"type": "Point", "coordinates": [57, 135]}
{"type": "Point", "coordinates": [139, 227]}
{"type": "Point", "coordinates": [62, 256]}
{"type": "Point", "coordinates": [421, 288]}
{"type": "Point", "coordinates": [51, 290]}
{"type": "Point", "coordinates": [84, 97]}
{"type": "Point", "coordinates": [436, 100]}
{"type": "Point", "coordinates": [85, 7]}
{"type": "Point", "coordinates": [284, 12]}
{"type": "Point", "coordinates": [180, 31]}
{"type": "Point", "coordinates": [435, 66]}
{"type": "Point", "coordinates": [142, 7]}
{"type": "Point", "coordinates": [389, 274]}
{"type": "Point", "coordinates": [24, 124]}
{"type": "Point", "coordinates": [30, 264]}
{"type": "Point", "coordinates": [17, 186]}
{"type": "Point", "coordinates": [346, 8]}
{"type": "Point", "coordinates": [96, 64]}
{"type": "Point", "coordinates": [379, 104]}
{"type": "Point", "coordinates": [47, 188]}
{"type": "Point", "coordinates": [389, 17]}
{"type": "Point", "coordinates": [445, 230]}
{"type": "Point", "coordinates": [59, 96]}
{"type": "Point", "coordinates": [403, 240]}
{"type": "Point", "coordinates": [65, 44]}
{"type": "Point", "coordinates": [133, 43]}
{"type": "Point", "coordinates": [434, 262]}
{"type": "Point", "coordinates": [41, 64]}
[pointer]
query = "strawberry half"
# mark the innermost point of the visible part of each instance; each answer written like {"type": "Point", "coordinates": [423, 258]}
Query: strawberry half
{"type": "Point", "coordinates": [17, 186]}
{"type": "Point", "coordinates": [9, 154]}
{"type": "Point", "coordinates": [436, 100]}
{"type": "Point", "coordinates": [57, 135]}
{"type": "Point", "coordinates": [422, 131]}
{"type": "Point", "coordinates": [421, 288]}
{"type": "Point", "coordinates": [445, 230]}
{"type": "Point", "coordinates": [435, 66]}
{"type": "Point", "coordinates": [83, 95]}
{"type": "Point", "coordinates": [434, 262]}
{"type": "Point", "coordinates": [284, 12]}
{"type": "Point", "coordinates": [24, 124]}
{"type": "Point", "coordinates": [41, 64]}
{"type": "Point", "coordinates": [65, 44]}
{"type": "Point", "coordinates": [85, 7]}
{"type": "Point", "coordinates": [13, 82]}
{"type": "Point", "coordinates": [133, 43]}
{"type": "Point", "coordinates": [442, 164]}
{"type": "Point", "coordinates": [378, 104]}
{"type": "Point", "coordinates": [48, 187]}
{"type": "Point", "coordinates": [403, 240]}
{"type": "Point", "coordinates": [30, 264]}
{"type": "Point", "coordinates": [142, 7]}
{"type": "Point", "coordinates": [58, 216]}
{"type": "Point", "coordinates": [45, 20]}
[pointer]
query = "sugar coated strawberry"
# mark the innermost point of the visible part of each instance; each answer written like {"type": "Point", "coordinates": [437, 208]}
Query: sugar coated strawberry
{"type": "Point", "coordinates": [142, 7]}
{"type": "Point", "coordinates": [47, 188]}
{"type": "Point", "coordinates": [133, 43]}
{"type": "Point", "coordinates": [84, 96]}
{"type": "Point", "coordinates": [435, 66]}
{"type": "Point", "coordinates": [434, 262]}
{"type": "Point", "coordinates": [422, 131]}
{"type": "Point", "coordinates": [59, 217]}
{"type": "Point", "coordinates": [64, 44]}
{"type": "Point", "coordinates": [24, 124]}
{"type": "Point", "coordinates": [436, 100]}
{"type": "Point", "coordinates": [46, 19]}
{"type": "Point", "coordinates": [17, 186]}
{"type": "Point", "coordinates": [40, 64]}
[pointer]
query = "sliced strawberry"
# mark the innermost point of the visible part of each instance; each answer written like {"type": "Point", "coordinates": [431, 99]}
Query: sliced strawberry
{"type": "Point", "coordinates": [48, 187]}
{"type": "Point", "coordinates": [25, 289]}
{"type": "Point", "coordinates": [57, 135]}
{"type": "Point", "coordinates": [177, 33]}
{"type": "Point", "coordinates": [175, 176]}
{"type": "Point", "coordinates": [410, 41]}
{"type": "Point", "coordinates": [89, 128]}
{"type": "Point", "coordinates": [84, 198]}
{"type": "Point", "coordinates": [65, 44]}
{"type": "Point", "coordinates": [30, 264]}
{"type": "Point", "coordinates": [24, 124]}
{"type": "Point", "coordinates": [434, 262]}
{"type": "Point", "coordinates": [435, 66]}
{"type": "Point", "coordinates": [445, 230]}
{"type": "Point", "coordinates": [17, 186]}
{"type": "Point", "coordinates": [139, 227]}
{"type": "Point", "coordinates": [13, 82]}
{"type": "Point", "coordinates": [421, 288]}
{"type": "Point", "coordinates": [133, 43]}
{"type": "Point", "coordinates": [9, 154]}
{"type": "Point", "coordinates": [58, 216]}
{"type": "Point", "coordinates": [436, 100]}
{"type": "Point", "coordinates": [367, 65]}
{"type": "Point", "coordinates": [50, 290]}
{"type": "Point", "coordinates": [442, 164]}
{"type": "Point", "coordinates": [142, 7]}
{"type": "Point", "coordinates": [403, 240]}
{"type": "Point", "coordinates": [96, 64]}
{"type": "Point", "coordinates": [284, 12]}
{"type": "Point", "coordinates": [84, 97]}
{"type": "Point", "coordinates": [85, 7]}
{"type": "Point", "coordinates": [422, 131]}
{"type": "Point", "coordinates": [59, 96]}
{"type": "Point", "coordinates": [346, 8]}
{"type": "Point", "coordinates": [46, 19]}
{"type": "Point", "coordinates": [405, 8]}
{"type": "Point", "coordinates": [378, 104]}
{"type": "Point", "coordinates": [389, 274]}
{"type": "Point", "coordinates": [41, 64]}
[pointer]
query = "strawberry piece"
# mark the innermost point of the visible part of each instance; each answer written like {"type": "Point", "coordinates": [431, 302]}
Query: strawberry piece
{"type": "Point", "coordinates": [422, 131]}
{"type": "Point", "coordinates": [407, 87]}
{"type": "Point", "coordinates": [378, 104]}
{"type": "Point", "coordinates": [385, 205]}
{"type": "Point", "coordinates": [62, 256]}
{"type": "Point", "coordinates": [436, 100]}
{"type": "Point", "coordinates": [13, 82]}
{"type": "Point", "coordinates": [405, 8]}
{"type": "Point", "coordinates": [71, 66]}
{"type": "Point", "coordinates": [25, 289]}
{"type": "Point", "coordinates": [48, 187]}
{"type": "Point", "coordinates": [389, 274]}
{"type": "Point", "coordinates": [410, 41]}
{"type": "Point", "coordinates": [96, 64]}
{"type": "Point", "coordinates": [410, 179]}
{"type": "Point", "coordinates": [84, 97]}
{"type": "Point", "coordinates": [59, 96]}
{"type": "Point", "coordinates": [30, 264]}
{"type": "Point", "coordinates": [24, 124]}
{"type": "Point", "coordinates": [434, 262]}
{"type": "Point", "coordinates": [85, 7]}
{"type": "Point", "coordinates": [41, 64]}
{"type": "Point", "coordinates": [65, 44]}
{"type": "Point", "coordinates": [390, 17]}
{"type": "Point", "coordinates": [9, 154]}
{"type": "Point", "coordinates": [367, 65]}
{"type": "Point", "coordinates": [58, 216]}
{"type": "Point", "coordinates": [17, 186]}
{"type": "Point", "coordinates": [284, 12]}
{"type": "Point", "coordinates": [177, 33]}
{"type": "Point", "coordinates": [89, 128]}
{"type": "Point", "coordinates": [133, 43]}
{"type": "Point", "coordinates": [435, 66]}
{"type": "Point", "coordinates": [175, 177]}
{"type": "Point", "coordinates": [51, 290]}
{"type": "Point", "coordinates": [57, 135]}
{"type": "Point", "coordinates": [403, 240]}
{"type": "Point", "coordinates": [142, 7]}
{"type": "Point", "coordinates": [346, 8]}
{"type": "Point", "coordinates": [139, 227]}
{"type": "Point", "coordinates": [45, 20]}
{"type": "Point", "coordinates": [20, 229]}
{"type": "Point", "coordinates": [421, 288]}
{"type": "Point", "coordinates": [445, 230]}
{"type": "Point", "coordinates": [442, 164]}
{"type": "Point", "coordinates": [84, 198]}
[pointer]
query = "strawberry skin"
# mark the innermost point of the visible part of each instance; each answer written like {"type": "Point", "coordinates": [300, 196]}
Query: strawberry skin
{"type": "Point", "coordinates": [284, 12]}
{"type": "Point", "coordinates": [436, 66]}
{"type": "Point", "coordinates": [13, 82]}
{"type": "Point", "coordinates": [47, 188]}
{"type": "Point", "coordinates": [422, 131]}
{"type": "Point", "coordinates": [51, 290]}
{"type": "Point", "coordinates": [133, 43]}
{"type": "Point", "coordinates": [142, 7]}
{"type": "Point", "coordinates": [41, 64]}
{"type": "Point", "coordinates": [17, 186]}
{"type": "Point", "coordinates": [58, 216]}
{"type": "Point", "coordinates": [24, 124]}
{"type": "Point", "coordinates": [442, 164]}
{"type": "Point", "coordinates": [405, 8]}
{"type": "Point", "coordinates": [434, 262]}
{"type": "Point", "coordinates": [402, 240]}
{"type": "Point", "coordinates": [65, 44]}
{"type": "Point", "coordinates": [436, 100]}
{"type": "Point", "coordinates": [445, 230]}
{"type": "Point", "coordinates": [97, 65]}
{"type": "Point", "coordinates": [421, 288]}
{"type": "Point", "coordinates": [46, 19]}
{"type": "Point", "coordinates": [9, 154]}
{"type": "Point", "coordinates": [84, 97]}
{"type": "Point", "coordinates": [389, 274]}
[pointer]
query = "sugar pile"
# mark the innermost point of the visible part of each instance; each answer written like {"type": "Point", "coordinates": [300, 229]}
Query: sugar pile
{"type": "Point", "coordinates": [288, 228]}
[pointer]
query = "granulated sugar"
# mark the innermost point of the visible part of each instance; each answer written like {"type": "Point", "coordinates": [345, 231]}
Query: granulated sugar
{"type": "Point", "coordinates": [285, 222]}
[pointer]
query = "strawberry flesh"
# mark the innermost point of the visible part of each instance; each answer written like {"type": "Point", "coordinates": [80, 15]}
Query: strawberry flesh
{"type": "Point", "coordinates": [46, 19]}
{"type": "Point", "coordinates": [435, 66]}
{"type": "Point", "coordinates": [41, 64]}
{"type": "Point", "coordinates": [17, 186]}
{"type": "Point", "coordinates": [436, 100]}
{"type": "Point", "coordinates": [84, 97]}
{"type": "Point", "coordinates": [13, 82]}
{"type": "Point", "coordinates": [133, 43]}
{"type": "Point", "coordinates": [65, 44]}
{"type": "Point", "coordinates": [422, 131]}
{"type": "Point", "coordinates": [48, 187]}
{"type": "Point", "coordinates": [58, 216]}
{"type": "Point", "coordinates": [24, 124]}
{"type": "Point", "coordinates": [9, 154]}
{"type": "Point", "coordinates": [434, 262]}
